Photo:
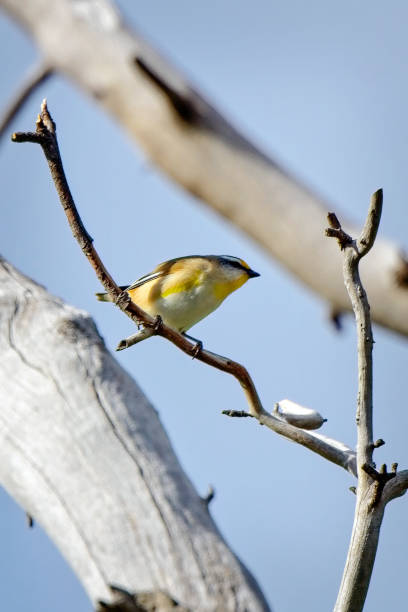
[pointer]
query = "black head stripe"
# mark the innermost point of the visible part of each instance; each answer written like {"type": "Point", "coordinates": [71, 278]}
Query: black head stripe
{"type": "Point", "coordinates": [239, 264]}
{"type": "Point", "coordinates": [234, 262]}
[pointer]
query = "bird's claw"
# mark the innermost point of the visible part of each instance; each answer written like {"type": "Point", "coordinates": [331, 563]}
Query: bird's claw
{"type": "Point", "coordinates": [158, 323]}
{"type": "Point", "coordinates": [197, 348]}
{"type": "Point", "coordinates": [198, 345]}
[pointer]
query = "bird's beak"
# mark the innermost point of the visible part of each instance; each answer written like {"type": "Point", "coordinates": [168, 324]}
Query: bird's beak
{"type": "Point", "coordinates": [252, 273]}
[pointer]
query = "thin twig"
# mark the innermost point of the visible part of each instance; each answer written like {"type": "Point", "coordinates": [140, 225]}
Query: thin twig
{"type": "Point", "coordinates": [34, 79]}
{"type": "Point", "coordinates": [45, 135]}
{"type": "Point", "coordinates": [139, 336]}
{"type": "Point", "coordinates": [365, 339]}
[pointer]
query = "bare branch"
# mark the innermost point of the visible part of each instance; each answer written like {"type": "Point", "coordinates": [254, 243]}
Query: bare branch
{"type": "Point", "coordinates": [139, 336]}
{"type": "Point", "coordinates": [336, 231]}
{"type": "Point", "coordinates": [358, 297]}
{"type": "Point", "coordinates": [330, 449]}
{"type": "Point", "coordinates": [372, 484]}
{"type": "Point", "coordinates": [34, 79]}
{"type": "Point", "coordinates": [45, 135]}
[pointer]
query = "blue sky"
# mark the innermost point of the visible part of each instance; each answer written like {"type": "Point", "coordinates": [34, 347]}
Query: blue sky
{"type": "Point", "coordinates": [322, 87]}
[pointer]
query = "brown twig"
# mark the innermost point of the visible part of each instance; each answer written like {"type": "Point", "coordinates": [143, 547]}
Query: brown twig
{"type": "Point", "coordinates": [45, 135]}
{"type": "Point", "coordinates": [335, 231]}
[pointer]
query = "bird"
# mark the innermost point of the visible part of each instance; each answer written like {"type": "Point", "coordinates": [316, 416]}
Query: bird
{"type": "Point", "coordinates": [185, 290]}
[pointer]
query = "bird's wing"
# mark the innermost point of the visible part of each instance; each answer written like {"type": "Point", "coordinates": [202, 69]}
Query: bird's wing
{"type": "Point", "coordinates": [161, 270]}
{"type": "Point", "coordinates": [146, 279]}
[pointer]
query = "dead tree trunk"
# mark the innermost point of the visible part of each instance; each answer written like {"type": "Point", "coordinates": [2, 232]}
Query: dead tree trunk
{"type": "Point", "coordinates": [83, 451]}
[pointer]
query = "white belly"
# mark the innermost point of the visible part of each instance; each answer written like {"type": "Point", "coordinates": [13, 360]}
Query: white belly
{"type": "Point", "coordinates": [184, 309]}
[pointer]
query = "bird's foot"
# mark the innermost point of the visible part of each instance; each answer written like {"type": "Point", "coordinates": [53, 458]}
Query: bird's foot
{"type": "Point", "coordinates": [197, 348]}
{"type": "Point", "coordinates": [158, 324]}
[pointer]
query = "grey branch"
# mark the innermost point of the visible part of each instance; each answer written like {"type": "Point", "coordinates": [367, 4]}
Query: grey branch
{"type": "Point", "coordinates": [178, 129]}
{"type": "Point", "coordinates": [326, 447]}
{"type": "Point", "coordinates": [114, 498]}
{"type": "Point", "coordinates": [34, 79]}
{"type": "Point", "coordinates": [374, 488]}
{"type": "Point", "coordinates": [332, 450]}
{"type": "Point", "coordinates": [396, 487]}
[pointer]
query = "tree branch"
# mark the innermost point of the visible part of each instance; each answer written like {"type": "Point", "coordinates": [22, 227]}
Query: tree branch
{"type": "Point", "coordinates": [45, 136]}
{"type": "Point", "coordinates": [353, 252]}
{"type": "Point", "coordinates": [370, 502]}
{"type": "Point", "coordinates": [199, 149]}
{"type": "Point", "coordinates": [332, 450]}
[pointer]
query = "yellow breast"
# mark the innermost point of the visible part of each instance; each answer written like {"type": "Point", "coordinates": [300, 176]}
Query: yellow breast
{"type": "Point", "coordinates": [223, 288]}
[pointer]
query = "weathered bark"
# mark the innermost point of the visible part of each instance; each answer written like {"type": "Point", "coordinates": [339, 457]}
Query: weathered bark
{"type": "Point", "coordinates": [84, 453]}
{"type": "Point", "coordinates": [201, 151]}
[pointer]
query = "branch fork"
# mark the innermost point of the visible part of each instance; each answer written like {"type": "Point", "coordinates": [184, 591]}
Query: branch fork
{"type": "Point", "coordinates": [380, 479]}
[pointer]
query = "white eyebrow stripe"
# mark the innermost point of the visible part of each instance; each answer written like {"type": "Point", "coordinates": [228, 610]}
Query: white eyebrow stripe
{"type": "Point", "coordinates": [232, 259]}
{"type": "Point", "coordinates": [240, 263]}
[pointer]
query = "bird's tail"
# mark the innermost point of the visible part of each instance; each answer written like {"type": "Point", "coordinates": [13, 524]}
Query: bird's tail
{"type": "Point", "coordinates": [103, 297]}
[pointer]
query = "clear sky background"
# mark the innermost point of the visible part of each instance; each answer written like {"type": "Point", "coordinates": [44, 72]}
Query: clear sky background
{"type": "Point", "coordinates": [322, 86]}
